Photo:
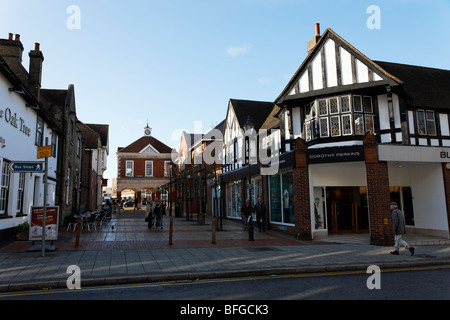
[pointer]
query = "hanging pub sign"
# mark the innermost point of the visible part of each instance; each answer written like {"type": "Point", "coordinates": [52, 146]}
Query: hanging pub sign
{"type": "Point", "coordinates": [51, 224]}
{"type": "Point", "coordinates": [335, 154]}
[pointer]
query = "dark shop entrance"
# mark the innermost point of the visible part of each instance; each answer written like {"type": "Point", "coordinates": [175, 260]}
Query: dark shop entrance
{"type": "Point", "coordinates": [347, 210]}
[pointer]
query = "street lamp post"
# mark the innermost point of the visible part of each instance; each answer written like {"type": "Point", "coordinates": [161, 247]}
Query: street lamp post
{"type": "Point", "coordinates": [170, 188]}
{"type": "Point", "coordinates": [248, 127]}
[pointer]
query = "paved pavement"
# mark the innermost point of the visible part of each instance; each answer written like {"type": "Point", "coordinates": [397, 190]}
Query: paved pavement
{"type": "Point", "coordinates": [124, 250]}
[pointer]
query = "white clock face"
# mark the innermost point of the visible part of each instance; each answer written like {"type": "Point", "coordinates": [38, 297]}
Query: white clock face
{"type": "Point", "coordinates": [147, 132]}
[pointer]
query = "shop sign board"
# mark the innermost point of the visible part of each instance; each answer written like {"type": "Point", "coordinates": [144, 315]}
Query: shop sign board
{"type": "Point", "coordinates": [51, 223]}
{"type": "Point", "coordinates": [335, 154]}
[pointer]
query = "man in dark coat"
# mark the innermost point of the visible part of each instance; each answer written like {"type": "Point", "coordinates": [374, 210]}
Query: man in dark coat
{"type": "Point", "coordinates": [260, 209]}
{"type": "Point", "coordinates": [398, 229]}
{"type": "Point", "coordinates": [246, 210]}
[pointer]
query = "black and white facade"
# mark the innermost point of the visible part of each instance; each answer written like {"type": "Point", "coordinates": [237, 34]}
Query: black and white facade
{"type": "Point", "coordinates": [334, 99]}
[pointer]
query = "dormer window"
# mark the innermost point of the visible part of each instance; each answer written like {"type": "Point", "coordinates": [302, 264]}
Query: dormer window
{"type": "Point", "coordinates": [339, 116]}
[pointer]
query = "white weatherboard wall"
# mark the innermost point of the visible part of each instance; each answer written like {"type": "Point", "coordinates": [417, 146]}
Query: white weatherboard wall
{"type": "Point", "coordinates": [15, 120]}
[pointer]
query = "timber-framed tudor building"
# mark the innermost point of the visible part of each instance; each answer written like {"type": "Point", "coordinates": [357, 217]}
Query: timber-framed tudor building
{"type": "Point", "coordinates": [351, 135]}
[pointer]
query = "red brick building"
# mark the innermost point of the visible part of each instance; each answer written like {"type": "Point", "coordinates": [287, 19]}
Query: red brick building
{"type": "Point", "coordinates": [143, 167]}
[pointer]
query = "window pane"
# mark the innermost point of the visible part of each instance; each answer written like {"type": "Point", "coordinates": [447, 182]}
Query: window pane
{"type": "Point", "coordinates": [323, 108]}
{"type": "Point", "coordinates": [149, 168]}
{"type": "Point", "coordinates": [421, 125]}
{"type": "Point", "coordinates": [359, 124]}
{"type": "Point", "coordinates": [335, 126]}
{"type": "Point", "coordinates": [334, 107]}
{"type": "Point", "coordinates": [357, 104]}
{"type": "Point", "coordinates": [129, 169]}
{"type": "Point", "coordinates": [431, 125]}
{"type": "Point", "coordinates": [346, 124]}
{"type": "Point", "coordinates": [367, 101]}
{"type": "Point", "coordinates": [324, 127]}
{"type": "Point", "coordinates": [345, 104]}
{"type": "Point", "coordinates": [369, 123]}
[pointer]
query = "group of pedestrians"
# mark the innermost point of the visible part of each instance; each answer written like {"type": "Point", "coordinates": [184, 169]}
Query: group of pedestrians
{"type": "Point", "coordinates": [259, 209]}
{"type": "Point", "coordinates": [154, 213]}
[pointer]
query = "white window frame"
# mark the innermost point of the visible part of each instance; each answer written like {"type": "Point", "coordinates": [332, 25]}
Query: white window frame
{"type": "Point", "coordinates": [148, 165]}
{"type": "Point", "coordinates": [131, 172]}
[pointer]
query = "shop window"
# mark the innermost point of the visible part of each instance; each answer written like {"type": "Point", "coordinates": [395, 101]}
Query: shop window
{"type": "Point", "coordinates": [234, 200]}
{"type": "Point", "coordinates": [281, 198]}
{"type": "Point", "coordinates": [320, 222]}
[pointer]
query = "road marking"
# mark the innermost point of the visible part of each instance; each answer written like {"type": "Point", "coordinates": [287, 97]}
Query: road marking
{"type": "Point", "coordinates": [203, 281]}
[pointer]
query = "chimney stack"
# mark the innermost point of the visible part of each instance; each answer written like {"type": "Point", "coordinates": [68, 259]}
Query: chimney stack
{"type": "Point", "coordinates": [35, 70]}
{"type": "Point", "coordinates": [312, 43]}
{"type": "Point", "coordinates": [11, 50]}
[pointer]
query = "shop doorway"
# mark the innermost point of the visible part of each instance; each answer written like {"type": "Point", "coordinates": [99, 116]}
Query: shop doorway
{"type": "Point", "coordinates": [347, 210]}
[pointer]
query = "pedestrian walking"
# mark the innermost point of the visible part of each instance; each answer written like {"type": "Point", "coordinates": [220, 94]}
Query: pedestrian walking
{"type": "Point", "coordinates": [148, 214]}
{"type": "Point", "coordinates": [135, 204]}
{"type": "Point", "coordinates": [246, 210]}
{"type": "Point", "coordinates": [398, 229]}
{"type": "Point", "coordinates": [260, 209]}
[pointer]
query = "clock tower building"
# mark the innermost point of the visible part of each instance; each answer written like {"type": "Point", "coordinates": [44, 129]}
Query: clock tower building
{"type": "Point", "coordinates": [143, 167]}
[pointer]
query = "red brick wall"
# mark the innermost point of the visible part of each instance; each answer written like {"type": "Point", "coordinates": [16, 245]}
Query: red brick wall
{"type": "Point", "coordinates": [302, 210]}
{"type": "Point", "coordinates": [378, 194]}
{"type": "Point", "coordinates": [139, 167]}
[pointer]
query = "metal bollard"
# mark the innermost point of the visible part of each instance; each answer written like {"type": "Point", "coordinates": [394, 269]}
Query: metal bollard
{"type": "Point", "coordinates": [171, 231]}
{"type": "Point", "coordinates": [251, 235]}
{"type": "Point", "coordinates": [213, 227]}
{"type": "Point", "coordinates": [78, 231]}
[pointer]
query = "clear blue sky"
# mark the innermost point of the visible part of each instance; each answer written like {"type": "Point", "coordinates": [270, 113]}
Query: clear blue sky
{"type": "Point", "coordinates": [175, 62]}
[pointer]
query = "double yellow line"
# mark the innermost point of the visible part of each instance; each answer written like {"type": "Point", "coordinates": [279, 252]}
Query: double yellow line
{"type": "Point", "coordinates": [191, 282]}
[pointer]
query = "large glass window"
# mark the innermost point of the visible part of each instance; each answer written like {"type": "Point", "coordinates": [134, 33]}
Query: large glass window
{"type": "Point", "coordinates": [234, 200]}
{"type": "Point", "coordinates": [281, 198]}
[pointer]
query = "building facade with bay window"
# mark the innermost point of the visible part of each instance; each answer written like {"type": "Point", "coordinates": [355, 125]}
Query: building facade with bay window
{"type": "Point", "coordinates": [346, 136]}
{"type": "Point", "coordinates": [366, 133]}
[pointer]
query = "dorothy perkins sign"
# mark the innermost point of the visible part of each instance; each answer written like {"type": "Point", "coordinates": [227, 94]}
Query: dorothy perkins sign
{"type": "Point", "coordinates": [335, 154]}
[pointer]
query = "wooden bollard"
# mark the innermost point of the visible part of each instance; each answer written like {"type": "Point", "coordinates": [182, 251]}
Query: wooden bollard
{"type": "Point", "coordinates": [213, 230]}
{"type": "Point", "coordinates": [171, 230]}
{"type": "Point", "coordinates": [78, 231]}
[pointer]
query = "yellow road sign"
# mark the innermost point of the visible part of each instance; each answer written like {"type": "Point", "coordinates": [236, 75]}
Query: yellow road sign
{"type": "Point", "coordinates": [44, 152]}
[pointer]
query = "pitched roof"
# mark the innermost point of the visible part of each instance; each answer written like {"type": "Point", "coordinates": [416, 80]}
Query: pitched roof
{"type": "Point", "coordinates": [426, 87]}
{"type": "Point", "coordinates": [102, 130]}
{"type": "Point", "coordinates": [257, 110]}
{"type": "Point", "coordinates": [138, 145]}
